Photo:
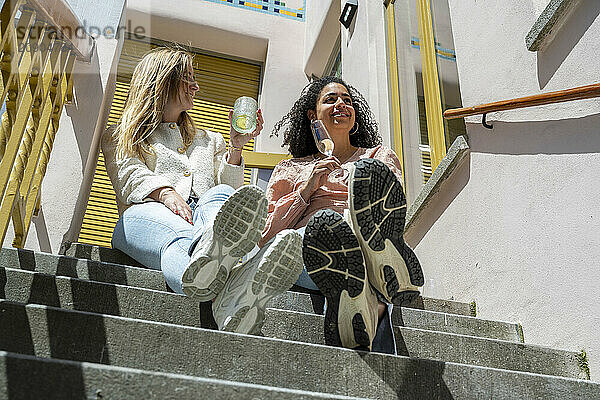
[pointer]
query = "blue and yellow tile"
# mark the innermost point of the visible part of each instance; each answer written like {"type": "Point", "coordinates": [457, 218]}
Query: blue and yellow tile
{"type": "Point", "coordinates": [292, 9]}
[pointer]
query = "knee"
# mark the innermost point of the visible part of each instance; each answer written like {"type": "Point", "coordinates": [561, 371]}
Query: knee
{"type": "Point", "coordinates": [223, 188]}
{"type": "Point", "coordinates": [118, 235]}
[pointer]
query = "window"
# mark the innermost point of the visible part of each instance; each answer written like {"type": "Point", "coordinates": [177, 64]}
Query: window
{"type": "Point", "coordinates": [427, 84]}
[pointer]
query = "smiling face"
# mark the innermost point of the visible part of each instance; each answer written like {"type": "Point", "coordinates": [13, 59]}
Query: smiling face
{"type": "Point", "coordinates": [334, 107]}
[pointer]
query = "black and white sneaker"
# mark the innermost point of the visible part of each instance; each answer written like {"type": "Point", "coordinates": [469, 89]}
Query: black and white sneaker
{"type": "Point", "coordinates": [240, 307]}
{"type": "Point", "coordinates": [236, 230]}
{"type": "Point", "coordinates": [334, 261]}
{"type": "Point", "coordinates": [378, 210]}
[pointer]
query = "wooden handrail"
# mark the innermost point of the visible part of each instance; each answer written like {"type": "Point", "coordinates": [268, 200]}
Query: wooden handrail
{"type": "Point", "coordinates": [59, 14]}
{"type": "Point", "coordinates": [559, 96]}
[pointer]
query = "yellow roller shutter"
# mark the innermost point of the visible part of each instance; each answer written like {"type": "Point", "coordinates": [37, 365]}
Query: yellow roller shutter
{"type": "Point", "coordinates": [221, 81]}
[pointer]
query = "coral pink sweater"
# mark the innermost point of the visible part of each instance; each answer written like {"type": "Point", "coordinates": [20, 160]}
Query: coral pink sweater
{"type": "Point", "coordinates": [287, 209]}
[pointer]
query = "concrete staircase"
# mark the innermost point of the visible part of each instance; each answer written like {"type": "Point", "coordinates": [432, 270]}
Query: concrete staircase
{"type": "Point", "coordinates": [93, 325]}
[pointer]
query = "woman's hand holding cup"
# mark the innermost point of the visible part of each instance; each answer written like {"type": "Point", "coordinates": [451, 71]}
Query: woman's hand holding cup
{"type": "Point", "coordinates": [237, 140]}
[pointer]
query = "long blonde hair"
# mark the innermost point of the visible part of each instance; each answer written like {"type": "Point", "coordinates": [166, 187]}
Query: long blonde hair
{"type": "Point", "coordinates": [156, 78]}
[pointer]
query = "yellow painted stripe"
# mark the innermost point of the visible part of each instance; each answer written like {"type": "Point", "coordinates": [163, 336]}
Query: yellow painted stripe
{"type": "Point", "coordinates": [263, 160]}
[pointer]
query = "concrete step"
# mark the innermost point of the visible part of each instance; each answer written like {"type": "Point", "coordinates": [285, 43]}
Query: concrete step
{"type": "Point", "coordinates": [104, 271]}
{"type": "Point", "coordinates": [73, 335]}
{"type": "Point", "coordinates": [27, 377]}
{"type": "Point", "coordinates": [69, 293]}
{"type": "Point", "coordinates": [98, 253]}
{"type": "Point", "coordinates": [82, 268]}
{"type": "Point", "coordinates": [98, 297]}
{"type": "Point", "coordinates": [417, 318]}
{"type": "Point", "coordinates": [420, 343]}
{"type": "Point", "coordinates": [76, 294]}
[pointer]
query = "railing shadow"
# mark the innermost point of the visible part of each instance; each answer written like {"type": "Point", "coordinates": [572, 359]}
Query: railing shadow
{"type": "Point", "coordinates": [412, 378]}
{"type": "Point", "coordinates": [50, 381]}
{"type": "Point", "coordinates": [58, 334]}
{"type": "Point", "coordinates": [15, 329]}
{"type": "Point", "coordinates": [566, 136]}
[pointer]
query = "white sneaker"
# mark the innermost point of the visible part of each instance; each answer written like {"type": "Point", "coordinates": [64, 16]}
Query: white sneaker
{"type": "Point", "coordinates": [334, 261]}
{"type": "Point", "coordinates": [378, 209]}
{"type": "Point", "coordinates": [240, 307]}
{"type": "Point", "coordinates": [235, 231]}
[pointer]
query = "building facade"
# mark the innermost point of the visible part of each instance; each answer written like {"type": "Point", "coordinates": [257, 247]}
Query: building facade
{"type": "Point", "coordinates": [506, 217]}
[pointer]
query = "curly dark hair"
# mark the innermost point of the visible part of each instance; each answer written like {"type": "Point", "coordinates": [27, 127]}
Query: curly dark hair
{"type": "Point", "coordinates": [297, 134]}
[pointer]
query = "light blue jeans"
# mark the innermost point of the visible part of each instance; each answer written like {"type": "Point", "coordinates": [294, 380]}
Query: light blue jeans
{"type": "Point", "coordinates": [157, 238]}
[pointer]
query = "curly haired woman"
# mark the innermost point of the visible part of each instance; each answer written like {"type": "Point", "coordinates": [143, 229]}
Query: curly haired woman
{"type": "Point", "coordinates": [350, 207]}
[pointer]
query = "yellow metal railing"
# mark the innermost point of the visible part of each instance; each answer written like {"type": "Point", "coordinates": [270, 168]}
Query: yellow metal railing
{"type": "Point", "coordinates": [394, 86]}
{"type": "Point", "coordinates": [431, 84]}
{"type": "Point", "coordinates": [36, 63]}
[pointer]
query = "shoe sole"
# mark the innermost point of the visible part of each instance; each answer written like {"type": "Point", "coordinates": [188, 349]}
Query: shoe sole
{"type": "Point", "coordinates": [335, 263]}
{"type": "Point", "coordinates": [277, 272]}
{"type": "Point", "coordinates": [237, 228]}
{"type": "Point", "coordinates": [378, 211]}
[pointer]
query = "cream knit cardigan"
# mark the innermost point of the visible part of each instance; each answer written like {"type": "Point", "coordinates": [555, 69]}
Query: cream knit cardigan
{"type": "Point", "coordinates": [200, 167]}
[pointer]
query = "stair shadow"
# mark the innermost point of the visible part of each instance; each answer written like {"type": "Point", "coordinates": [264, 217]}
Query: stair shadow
{"type": "Point", "coordinates": [99, 299]}
{"type": "Point", "coordinates": [84, 341]}
{"type": "Point", "coordinates": [100, 273]}
{"type": "Point", "coordinates": [103, 254]}
{"type": "Point", "coordinates": [16, 336]}
{"type": "Point", "coordinates": [3, 282]}
{"type": "Point", "coordinates": [51, 381]}
{"type": "Point", "coordinates": [15, 330]}
{"type": "Point", "coordinates": [316, 298]}
{"type": "Point", "coordinates": [411, 379]}
{"type": "Point", "coordinates": [26, 259]}
{"type": "Point", "coordinates": [43, 290]}
{"type": "Point", "coordinates": [67, 267]}
{"type": "Point", "coordinates": [207, 320]}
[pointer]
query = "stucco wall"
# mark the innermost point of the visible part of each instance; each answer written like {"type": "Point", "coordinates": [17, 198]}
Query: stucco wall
{"type": "Point", "coordinates": [364, 60]}
{"type": "Point", "coordinates": [275, 41]}
{"type": "Point", "coordinates": [494, 63]}
{"type": "Point", "coordinates": [321, 32]}
{"type": "Point", "coordinates": [516, 226]}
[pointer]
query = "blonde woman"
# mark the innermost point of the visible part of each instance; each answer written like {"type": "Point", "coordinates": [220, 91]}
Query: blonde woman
{"type": "Point", "coordinates": [179, 210]}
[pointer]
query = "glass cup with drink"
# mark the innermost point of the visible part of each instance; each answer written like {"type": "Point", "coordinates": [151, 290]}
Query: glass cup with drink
{"type": "Point", "coordinates": [322, 138]}
{"type": "Point", "coordinates": [244, 115]}
{"type": "Point", "coordinates": [325, 145]}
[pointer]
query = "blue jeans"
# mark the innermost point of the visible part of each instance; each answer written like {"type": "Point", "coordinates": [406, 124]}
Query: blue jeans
{"type": "Point", "coordinates": [154, 236]}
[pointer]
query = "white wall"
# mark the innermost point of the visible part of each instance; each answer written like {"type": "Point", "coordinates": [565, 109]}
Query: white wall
{"type": "Point", "coordinates": [516, 226]}
{"type": "Point", "coordinates": [276, 41]}
{"type": "Point", "coordinates": [321, 32]}
{"type": "Point", "coordinates": [364, 60]}
{"type": "Point", "coordinates": [494, 63]}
